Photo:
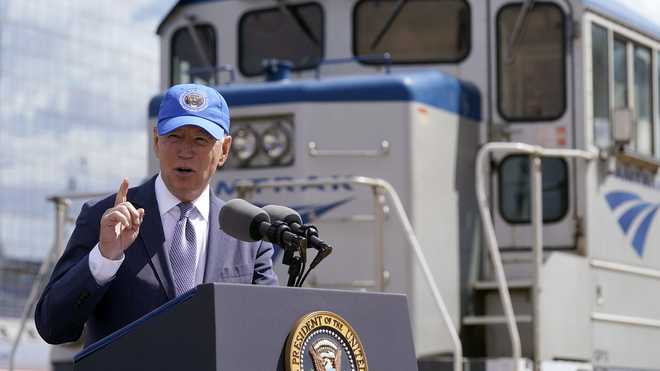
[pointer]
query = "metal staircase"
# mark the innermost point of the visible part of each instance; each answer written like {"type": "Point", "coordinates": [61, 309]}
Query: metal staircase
{"type": "Point", "coordinates": [485, 316]}
{"type": "Point", "coordinates": [504, 306]}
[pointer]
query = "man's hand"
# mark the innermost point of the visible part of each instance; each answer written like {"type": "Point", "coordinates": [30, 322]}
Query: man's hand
{"type": "Point", "coordinates": [120, 225]}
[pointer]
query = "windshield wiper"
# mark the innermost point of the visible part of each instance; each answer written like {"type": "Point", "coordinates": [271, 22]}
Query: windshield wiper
{"type": "Point", "coordinates": [298, 20]}
{"type": "Point", "coordinates": [202, 52]}
{"type": "Point", "coordinates": [388, 24]}
{"type": "Point", "coordinates": [517, 28]}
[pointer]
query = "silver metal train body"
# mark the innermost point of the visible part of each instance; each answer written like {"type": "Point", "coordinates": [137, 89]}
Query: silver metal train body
{"type": "Point", "coordinates": [409, 91]}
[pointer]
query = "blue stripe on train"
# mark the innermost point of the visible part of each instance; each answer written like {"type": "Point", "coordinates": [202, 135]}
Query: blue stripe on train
{"type": "Point", "coordinates": [433, 88]}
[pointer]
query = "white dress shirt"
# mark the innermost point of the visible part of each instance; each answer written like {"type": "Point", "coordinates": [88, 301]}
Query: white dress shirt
{"type": "Point", "coordinates": [104, 270]}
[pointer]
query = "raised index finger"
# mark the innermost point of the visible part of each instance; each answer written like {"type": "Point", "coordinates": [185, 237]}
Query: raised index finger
{"type": "Point", "coordinates": [122, 192]}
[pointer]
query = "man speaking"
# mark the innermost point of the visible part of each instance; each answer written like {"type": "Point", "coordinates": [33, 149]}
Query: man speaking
{"type": "Point", "coordinates": [133, 251]}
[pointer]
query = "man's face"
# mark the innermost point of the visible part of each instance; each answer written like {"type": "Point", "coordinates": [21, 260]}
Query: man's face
{"type": "Point", "coordinates": [189, 156]}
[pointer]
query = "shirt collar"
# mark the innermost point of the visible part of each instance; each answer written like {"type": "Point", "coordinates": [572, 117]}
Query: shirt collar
{"type": "Point", "coordinates": [166, 200]}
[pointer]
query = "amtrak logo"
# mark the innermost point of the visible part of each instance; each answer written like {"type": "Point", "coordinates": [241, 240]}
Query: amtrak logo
{"type": "Point", "coordinates": [310, 212]}
{"type": "Point", "coordinates": [635, 209]}
{"type": "Point", "coordinates": [193, 100]}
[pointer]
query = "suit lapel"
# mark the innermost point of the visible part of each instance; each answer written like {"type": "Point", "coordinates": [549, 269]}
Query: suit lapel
{"type": "Point", "coordinates": [151, 234]}
{"type": "Point", "coordinates": [213, 250]}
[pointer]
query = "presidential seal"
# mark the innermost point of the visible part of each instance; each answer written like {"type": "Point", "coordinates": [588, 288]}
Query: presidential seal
{"type": "Point", "coordinates": [193, 100]}
{"type": "Point", "coordinates": [323, 341]}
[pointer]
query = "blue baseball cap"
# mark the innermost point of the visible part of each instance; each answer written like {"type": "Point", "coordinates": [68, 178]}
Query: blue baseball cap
{"type": "Point", "coordinates": [193, 104]}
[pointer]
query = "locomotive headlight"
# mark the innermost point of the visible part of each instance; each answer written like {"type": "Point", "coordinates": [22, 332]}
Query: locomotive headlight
{"type": "Point", "coordinates": [275, 142]}
{"type": "Point", "coordinates": [244, 144]}
{"type": "Point", "coordinates": [261, 142]}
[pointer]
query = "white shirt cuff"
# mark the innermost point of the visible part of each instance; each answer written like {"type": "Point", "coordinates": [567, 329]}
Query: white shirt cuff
{"type": "Point", "coordinates": [103, 269]}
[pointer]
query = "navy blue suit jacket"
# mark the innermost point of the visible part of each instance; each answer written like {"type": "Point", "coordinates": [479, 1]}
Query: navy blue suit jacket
{"type": "Point", "coordinates": [144, 281]}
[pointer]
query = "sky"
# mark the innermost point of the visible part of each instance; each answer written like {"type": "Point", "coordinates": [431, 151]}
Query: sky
{"type": "Point", "coordinates": [648, 7]}
{"type": "Point", "coordinates": [74, 74]}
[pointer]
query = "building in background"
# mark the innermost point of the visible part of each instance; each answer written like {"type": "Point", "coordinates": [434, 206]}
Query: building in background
{"type": "Point", "coordinates": [75, 80]}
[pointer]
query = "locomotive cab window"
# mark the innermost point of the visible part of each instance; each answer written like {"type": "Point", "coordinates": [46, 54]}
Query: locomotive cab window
{"type": "Point", "coordinates": [514, 189]}
{"type": "Point", "coordinates": [635, 91]}
{"type": "Point", "coordinates": [288, 32]}
{"type": "Point", "coordinates": [620, 67]}
{"type": "Point", "coordinates": [643, 85]}
{"type": "Point", "coordinates": [601, 85]}
{"type": "Point", "coordinates": [531, 63]}
{"type": "Point", "coordinates": [193, 55]}
{"type": "Point", "coordinates": [414, 31]}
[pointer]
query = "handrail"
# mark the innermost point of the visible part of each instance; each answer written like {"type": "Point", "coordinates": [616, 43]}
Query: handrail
{"type": "Point", "coordinates": [384, 150]}
{"type": "Point", "coordinates": [243, 187]}
{"type": "Point", "coordinates": [535, 153]}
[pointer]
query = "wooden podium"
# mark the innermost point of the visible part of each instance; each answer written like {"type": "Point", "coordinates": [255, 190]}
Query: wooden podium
{"type": "Point", "coordinates": [246, 327]}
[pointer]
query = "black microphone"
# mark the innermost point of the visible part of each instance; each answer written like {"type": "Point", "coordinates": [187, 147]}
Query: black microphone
{"type": "Point", "coordinates": [242, 220]}
{"type": "Point", "coordinates": [294, 221]}
{"type": "Point", "coordinates": [246, 222]}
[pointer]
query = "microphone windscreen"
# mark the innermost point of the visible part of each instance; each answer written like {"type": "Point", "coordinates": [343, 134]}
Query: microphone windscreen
{"type": "Point", "coordinates": [283, 213]}
{"type": "Point", "coordinates": [240, 219]}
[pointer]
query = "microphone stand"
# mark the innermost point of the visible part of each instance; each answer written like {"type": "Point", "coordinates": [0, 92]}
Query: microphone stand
{"type": "Point", "coordinates": [323, 250]}
{"type": "Point", "coordinates": [302, 262]}
{"type": "Point", "coordinates": [294, 271]}
{"type": "Point", "coordinates": [296, 258]}
{"type": "Point", "coordinates": [295, 251]}
{"type": "Point", "coordinates": [295, 246]}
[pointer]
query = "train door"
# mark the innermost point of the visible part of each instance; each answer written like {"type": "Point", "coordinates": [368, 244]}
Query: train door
{"type": "Point", "coordinates": [532, 90]}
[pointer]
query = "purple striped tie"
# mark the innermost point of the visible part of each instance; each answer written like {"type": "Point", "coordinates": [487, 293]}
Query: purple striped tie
{"type": "Point", "coordinates": [183, 251]}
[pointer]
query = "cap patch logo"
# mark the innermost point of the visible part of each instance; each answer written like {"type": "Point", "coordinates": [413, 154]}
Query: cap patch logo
{"type": "Point", "coordinates": [193, 100]}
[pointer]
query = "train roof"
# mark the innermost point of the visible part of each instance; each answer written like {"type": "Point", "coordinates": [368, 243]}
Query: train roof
{"type": "Point", "coordinates": [432, 88]}
{"type": "Point", "coordinates": [616, 10]}
{"type": "Point", "coordinates": [175, 7]}
{"type": "Point", "coordinates": [620, 12]}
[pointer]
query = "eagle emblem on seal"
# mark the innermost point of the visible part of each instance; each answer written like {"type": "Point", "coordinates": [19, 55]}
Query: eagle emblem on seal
{"type": "Point", "coordinates": [326, 355]}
